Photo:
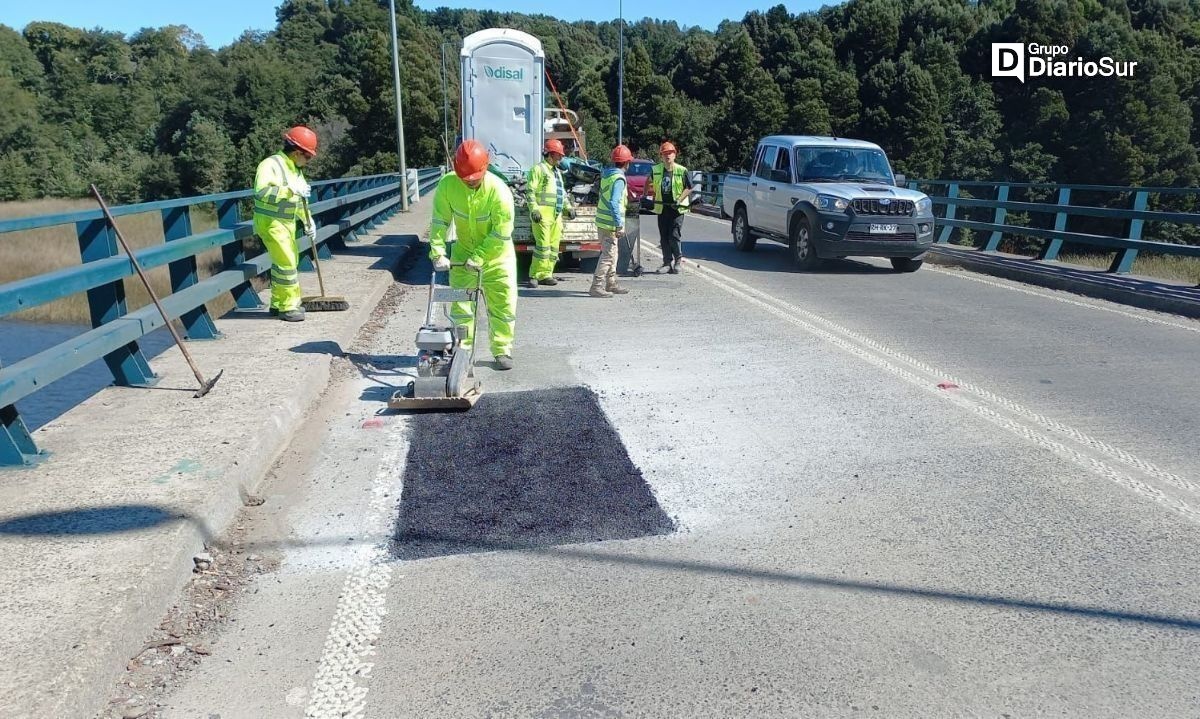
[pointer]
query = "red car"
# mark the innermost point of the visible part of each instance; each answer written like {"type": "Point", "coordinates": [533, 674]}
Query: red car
{"type": "Point", "coordinates": [636, 178]}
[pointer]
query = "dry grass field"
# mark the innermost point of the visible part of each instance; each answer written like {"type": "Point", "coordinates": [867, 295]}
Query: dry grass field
{"type": "Point", "coordinates": [33, 252]}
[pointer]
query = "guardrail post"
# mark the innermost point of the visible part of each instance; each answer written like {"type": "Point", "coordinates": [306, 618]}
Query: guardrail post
{"type": "Point", "coordinates": [1051, 250]}
{"type": "Point", "coordinates": [16, 444]}
{"type": "Point", "coordinates": [993, 242]}
{"type": "Point", "coordinates": [177, 225]}
{"type": "Point", "coordinates": [343, 218]}
{"type": "Point", "coordinates": [1123, 262]}
{"type": "Point", "coordinates": [951, 208]}
{"type": "Point", "coordinates": [234, 255]}
{"type": "Point", "coordinates": [107, 302]}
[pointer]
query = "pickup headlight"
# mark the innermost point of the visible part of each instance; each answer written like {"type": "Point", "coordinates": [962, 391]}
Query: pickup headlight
{"type": "Point", "coordinates": [829, 203]}
{"type": "Point", "coordinates": [924, 206]}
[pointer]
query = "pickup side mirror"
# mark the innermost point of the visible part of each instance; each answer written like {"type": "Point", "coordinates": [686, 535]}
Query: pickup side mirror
{"type": "Point", "coordinates": [901, 181]}
{"type": "Point", "coordinates": [781, 176]}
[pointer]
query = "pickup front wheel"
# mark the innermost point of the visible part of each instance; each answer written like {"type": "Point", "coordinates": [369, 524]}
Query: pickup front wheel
{"type": "Point", "coordinates": [803, 252]}
{"type": "Point", "coordinates": [742, 239]}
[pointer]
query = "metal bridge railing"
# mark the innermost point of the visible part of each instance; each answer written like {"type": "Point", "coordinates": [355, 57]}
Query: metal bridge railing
{"type": "Point", "coordinates": [342, 208]}
{"type": "Point", "coordinates": [1095, 223]}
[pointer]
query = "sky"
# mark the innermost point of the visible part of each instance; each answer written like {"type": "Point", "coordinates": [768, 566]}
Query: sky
{"type": "Point", "coordinates": [221, 22]}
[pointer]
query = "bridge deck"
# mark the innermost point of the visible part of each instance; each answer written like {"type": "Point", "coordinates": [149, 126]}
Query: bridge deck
{"type": "Point", "coordinates": [848, 536]}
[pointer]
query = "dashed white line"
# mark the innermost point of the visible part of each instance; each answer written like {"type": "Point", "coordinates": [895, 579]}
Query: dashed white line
{"type": "Point", "coordinates": [337, 691]}
{"type": "Point", "coordinates": [1012, 287]}
{"type": "Point", "coordinates": [979, 400]}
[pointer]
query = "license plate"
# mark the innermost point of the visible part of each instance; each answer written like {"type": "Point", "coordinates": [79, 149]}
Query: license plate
{"type": "Point", "coordinates": [571, 248]}
{"type": "Point", "coordinates": [884, 229]}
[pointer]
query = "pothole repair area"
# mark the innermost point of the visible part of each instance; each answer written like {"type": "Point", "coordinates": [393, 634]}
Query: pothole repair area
{"type": "Point", "coordinates": [521, 470]}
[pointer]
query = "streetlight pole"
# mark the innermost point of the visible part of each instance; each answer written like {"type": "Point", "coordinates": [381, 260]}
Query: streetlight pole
{"type": "Point", "coordinates": [445, 101]}
{"type": "Point", "coordinates": [621, 75]}
{"type": "Point", "coordinates": [399, 112]}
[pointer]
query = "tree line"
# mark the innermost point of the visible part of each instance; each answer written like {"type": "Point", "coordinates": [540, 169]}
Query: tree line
{"type": "Point", "coordinates": [160, 114]}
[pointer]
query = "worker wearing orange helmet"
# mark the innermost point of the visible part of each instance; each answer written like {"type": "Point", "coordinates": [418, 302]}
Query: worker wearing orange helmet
{"type": "Point", "coordinates": [481, 207]}
{"type": "Point", "coordinates": [547, 206]}
{"type": "Point", "coordinates": [671, 189]}
{"type": "Point", "coordinates": [610, 223]}
{"type": "Point", "coordinates": [280, 201]}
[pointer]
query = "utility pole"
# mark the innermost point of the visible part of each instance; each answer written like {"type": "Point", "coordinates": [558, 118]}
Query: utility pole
{"type": "Point", "coordinates": [445, 102]}
{"type": "Point", "coordinates": [399, 112]}
{"type": "Point", "coordinates": [621, 75]}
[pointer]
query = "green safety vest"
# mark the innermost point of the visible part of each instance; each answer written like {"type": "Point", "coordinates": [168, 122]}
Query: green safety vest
{"type": "Point", "coordinates": [272, 196]}
{"type": "Point", "coordinates": [546, 187]}
{"type": "Point", "coordinates": [677, 178]}
{"type": "Point", "coordinates": [606, 213]}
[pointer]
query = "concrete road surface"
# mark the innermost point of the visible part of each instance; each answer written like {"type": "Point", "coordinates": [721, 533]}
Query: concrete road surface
{"type": "Point", "coordinates": [893, 495]}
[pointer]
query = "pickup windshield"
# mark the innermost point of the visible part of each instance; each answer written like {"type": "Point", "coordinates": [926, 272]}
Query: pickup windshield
{"type": "Point", "coordinates": [842, 164]}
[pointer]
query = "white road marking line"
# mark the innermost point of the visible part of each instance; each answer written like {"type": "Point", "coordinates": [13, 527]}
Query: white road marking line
{"type": "Point", "coordinates": [1014, 287]}
{"type": "Point", "coordinates": [884, 357]}
{"type": "Point", "coordinates": [358, 620]}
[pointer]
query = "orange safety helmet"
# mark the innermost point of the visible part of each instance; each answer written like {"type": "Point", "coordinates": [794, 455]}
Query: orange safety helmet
{"type": "Point", "coordinates": [303, 138]}
{"type": "Point", "coordinates": [665, 148]}
{"type": "Point", "coordinates": [554, 146]}
{"type": "Point", "coordinates": [621, 154]}
{"type": "Point", "coordinates": [471, 160]}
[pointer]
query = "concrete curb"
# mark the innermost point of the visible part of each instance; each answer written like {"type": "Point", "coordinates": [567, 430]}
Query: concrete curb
{"type": "Point", "coordinates": [1144, 292]}
{"type": "Point", "coordinates": [138, 572]}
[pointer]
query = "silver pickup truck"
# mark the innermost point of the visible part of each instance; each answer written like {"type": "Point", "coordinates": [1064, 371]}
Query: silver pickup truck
{"type": "Point", "coordinates": [825, 198]}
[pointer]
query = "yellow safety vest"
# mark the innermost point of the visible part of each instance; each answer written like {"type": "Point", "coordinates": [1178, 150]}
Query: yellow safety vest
{"type": "Point", "coordinates": [272, 196]}
{"type": "Point", "coordinates": [606, 213]}
{"type": "Point", "coordinates": [677, 177]}
{"type": "Point", "coordinates": [483, 218]}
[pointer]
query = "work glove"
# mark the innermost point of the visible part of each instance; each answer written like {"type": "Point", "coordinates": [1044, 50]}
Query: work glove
{"type": "Point", "coordinates": [310, 230]}
{"type": "Point", "coordinates": [300, 187]}
{"type": "Point", "coordinates": [569, 212]}
{"type": "Point", "coordinates": [441, 264]}
{"type": "Point", "coordinates": [474, 263]}
{"type": "Point", "coordinates": [536, 215]}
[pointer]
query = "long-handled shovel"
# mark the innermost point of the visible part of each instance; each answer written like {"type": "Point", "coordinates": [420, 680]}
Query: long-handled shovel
{"type": "Point", "coordinates": [204, 386]}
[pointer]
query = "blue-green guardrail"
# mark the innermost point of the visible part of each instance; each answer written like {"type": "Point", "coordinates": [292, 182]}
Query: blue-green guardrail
{"type": "Point", "coordinates": [342, 207]}
{"type": "Point", "coordinates": [1125, 225]}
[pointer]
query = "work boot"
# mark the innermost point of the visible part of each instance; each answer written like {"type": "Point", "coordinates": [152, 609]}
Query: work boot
{"type": "Point", "coordinates": [549, 282]}
{"type": "Point", "coordinates": [597, 292]}
{"type": "Point", "coordinates": [504, 362]}
{"type": "Point", "coordinates": [666, 268]}
{"type": "Point", "coordinates": [532, 284]}
{"type": "Point", "coordinates": [617, 289]}
{"type": "Point", "coordinates": [296, 315]}
{"type": "Point", "coordinates": [674, 268]}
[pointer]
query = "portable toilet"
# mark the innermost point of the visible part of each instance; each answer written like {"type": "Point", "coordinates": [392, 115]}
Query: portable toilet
{"type": "Point", "coordinates": [503, 73]}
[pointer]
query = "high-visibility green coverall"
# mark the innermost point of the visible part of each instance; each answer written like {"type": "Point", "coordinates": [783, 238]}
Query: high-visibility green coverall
{"type": "Point", "coordinates": [546, 193]}
{"type": "Point", "coordinates": [277, 209]}
{"type": "Point", "coordinates": [483, 222]}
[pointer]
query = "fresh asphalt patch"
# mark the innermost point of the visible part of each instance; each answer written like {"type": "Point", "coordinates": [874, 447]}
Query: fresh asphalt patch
{"type": "Point", "coordinates": [521, 470]}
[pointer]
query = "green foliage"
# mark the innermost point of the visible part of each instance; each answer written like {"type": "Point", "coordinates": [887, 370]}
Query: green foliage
{"type": "Point", "coordinates": [159, 113]}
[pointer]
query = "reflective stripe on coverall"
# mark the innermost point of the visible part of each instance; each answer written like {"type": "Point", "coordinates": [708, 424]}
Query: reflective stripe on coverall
{"type": "Point", "coordinates": [547, 194]}
{"type": "Point", "coordinates": [483, 222]}
{"type": "Point", "coordinates": [276, 210]}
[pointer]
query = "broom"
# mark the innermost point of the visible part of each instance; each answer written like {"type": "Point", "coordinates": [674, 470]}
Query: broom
{"type": "Point", "coordinates": [323, 302]}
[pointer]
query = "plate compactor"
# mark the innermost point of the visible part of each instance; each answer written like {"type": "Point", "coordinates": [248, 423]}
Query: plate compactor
{"type": "Point", "coordinates": [445, 369]}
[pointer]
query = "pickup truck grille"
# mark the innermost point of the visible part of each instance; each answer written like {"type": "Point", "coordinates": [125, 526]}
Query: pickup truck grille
{"type": "Point", "coordinates": [868, 237]}
{"type": "Point", "coordinates": [876, 206]}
